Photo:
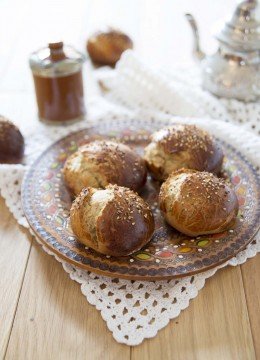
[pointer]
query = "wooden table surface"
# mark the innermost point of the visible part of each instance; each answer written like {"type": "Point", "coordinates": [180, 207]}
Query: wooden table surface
{"type": "Point", "coordinates": [43, 314]}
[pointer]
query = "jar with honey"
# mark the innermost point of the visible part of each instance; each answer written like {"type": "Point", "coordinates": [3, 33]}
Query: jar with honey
{"type": "Point", "coordinates": [57, 74]}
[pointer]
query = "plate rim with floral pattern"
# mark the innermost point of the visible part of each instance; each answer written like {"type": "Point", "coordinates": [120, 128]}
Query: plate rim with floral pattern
{"type": "Point", "coordinates": [174, 257]}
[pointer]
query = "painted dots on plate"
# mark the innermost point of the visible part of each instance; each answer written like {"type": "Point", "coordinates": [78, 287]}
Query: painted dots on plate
{"type": "Point", "coordinates": [143, 256]}
{"type": "Point", "coordinates": [203, 243]}
{"type": "Point", "coordinates": [185, 250]}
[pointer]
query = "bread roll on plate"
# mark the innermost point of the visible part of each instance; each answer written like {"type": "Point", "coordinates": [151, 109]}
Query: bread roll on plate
{"type": "Point", "coordinates": [182, 146]}
{"type": "Point", "coordinates": [197, 203]}
{"type": "Point", "coordinates": [113, 221]}
{"type": "Point", "coordinates": [100, 163]}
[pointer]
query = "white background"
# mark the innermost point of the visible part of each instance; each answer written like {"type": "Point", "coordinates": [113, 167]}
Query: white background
{"type": "Point", "coordinates": [158, 28]}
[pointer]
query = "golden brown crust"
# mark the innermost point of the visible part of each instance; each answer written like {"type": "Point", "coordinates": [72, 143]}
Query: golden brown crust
{"type": "Point", "coordinates": [182, 146]}
{"type": "Point", "coordinates": [106, 48]}
{"type": "Point", "coordinates": [100, 163]}
{"type": "Point", "coordinates": [123, 225]}
{"type": "Point", "coordinates": [78, 224]}
{"type": "Point", "coordinates": [197, 203]}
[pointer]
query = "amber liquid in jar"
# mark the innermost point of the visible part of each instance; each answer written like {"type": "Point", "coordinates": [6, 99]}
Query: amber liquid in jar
{"type": "Point", "coordinates": [59, 87]}
{"type": "Point", "coordinates": [60, 98]}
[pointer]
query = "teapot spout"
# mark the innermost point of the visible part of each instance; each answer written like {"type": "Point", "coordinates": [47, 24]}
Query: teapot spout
{"type": "Point", "coordinates": [197, 52]}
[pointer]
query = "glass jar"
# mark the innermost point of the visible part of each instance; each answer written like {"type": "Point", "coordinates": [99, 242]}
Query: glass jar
{"type": "Point", "coordinates": [57, 74]}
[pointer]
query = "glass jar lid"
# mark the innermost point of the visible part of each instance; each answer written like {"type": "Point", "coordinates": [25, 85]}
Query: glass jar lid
{"type": "Point", "coordinates": [242, 30]}
{"type": "Point", "coordinates": [56, 60]}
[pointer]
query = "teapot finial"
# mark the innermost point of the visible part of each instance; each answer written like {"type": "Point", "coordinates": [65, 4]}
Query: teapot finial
{"type": "Point", "coordinates": [197, 52]}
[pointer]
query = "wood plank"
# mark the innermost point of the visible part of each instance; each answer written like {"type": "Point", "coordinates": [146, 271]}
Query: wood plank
{"type": "Point", "coordinates": [215, 326]}
{"type": "Point", "coordinates": [14, 252]}
{"type": "Point", "coordinates": [251, 275]}
{"type": "Point", "coordinates": [55, 321]}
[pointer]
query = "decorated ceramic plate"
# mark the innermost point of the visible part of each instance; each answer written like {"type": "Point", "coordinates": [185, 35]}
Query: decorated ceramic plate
{"type": "Point", "coordinates": [169, 254]}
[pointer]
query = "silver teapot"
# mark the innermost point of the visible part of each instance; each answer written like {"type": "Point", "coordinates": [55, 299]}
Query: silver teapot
{"type": "Point", "coordinates": [234, 70]}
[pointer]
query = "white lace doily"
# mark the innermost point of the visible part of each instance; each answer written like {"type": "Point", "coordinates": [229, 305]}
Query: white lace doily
{"type": "Point", "coordinates": [138, 87]}
{"type": "Point", "coordinates": [135, 310]}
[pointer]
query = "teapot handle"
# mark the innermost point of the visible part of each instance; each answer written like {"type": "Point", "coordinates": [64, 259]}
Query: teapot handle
{"type": "Point", "coordinates": [197, 52]}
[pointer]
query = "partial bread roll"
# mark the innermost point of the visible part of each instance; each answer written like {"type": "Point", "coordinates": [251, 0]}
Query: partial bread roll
{"type": "Point", "coordinates": [113, 221]}
{"type": "Point", "coordinates": [100, 163]}
{"type": "Point", "coordinates": [11, 142]}
{"type": "Point", "coordinates": [197, 203]}
{"type": "Point", "coordinates": [182, 146]}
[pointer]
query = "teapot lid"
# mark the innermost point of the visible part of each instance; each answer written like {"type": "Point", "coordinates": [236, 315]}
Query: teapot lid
{"type": "Point", "coordinates": [242, 30]}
